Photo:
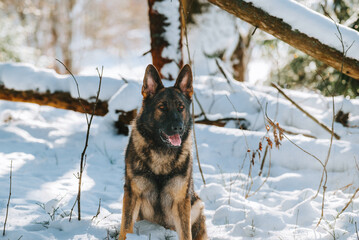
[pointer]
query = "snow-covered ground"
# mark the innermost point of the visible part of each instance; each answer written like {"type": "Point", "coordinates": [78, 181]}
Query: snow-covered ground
{"type": "Point", "coordinates": [45, 144]}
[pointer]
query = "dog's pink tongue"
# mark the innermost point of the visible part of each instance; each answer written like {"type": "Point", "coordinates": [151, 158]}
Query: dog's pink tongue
{"type": "Point", "coordinates": [175, 140]}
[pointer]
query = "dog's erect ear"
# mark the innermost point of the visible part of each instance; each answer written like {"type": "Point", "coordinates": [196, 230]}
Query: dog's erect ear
{"type": "Point", "coordinates": [151, 82]}
{"type": "Point", "coordinates": [184, 81]}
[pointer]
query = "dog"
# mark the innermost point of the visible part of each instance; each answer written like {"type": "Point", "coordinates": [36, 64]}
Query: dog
{"type": "Point", "coordinates": [158, 161]}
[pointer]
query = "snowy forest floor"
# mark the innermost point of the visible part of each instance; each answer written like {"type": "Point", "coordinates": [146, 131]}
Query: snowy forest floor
{"type": "Point", "coordinates": [45, 144]}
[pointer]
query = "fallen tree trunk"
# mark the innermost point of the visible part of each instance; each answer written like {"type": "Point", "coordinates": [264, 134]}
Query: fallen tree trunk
{"type": "Point", "coordinates": [61, 100]}
{"type": "Point", "coordinates": [284, 31]}
{"type": "Point", "coordinates": [64, 100]}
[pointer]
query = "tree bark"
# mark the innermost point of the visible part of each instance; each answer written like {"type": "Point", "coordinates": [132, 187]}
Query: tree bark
{"type": "Point", "coordinates": [283, 31]}
{"type": "Point", "coordinates": [159, 25]}
{"type": "Point", "coordinates": [240, 56]}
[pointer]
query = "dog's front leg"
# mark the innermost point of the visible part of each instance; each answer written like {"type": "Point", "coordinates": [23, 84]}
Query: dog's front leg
{"type": "Point", "coordinates": [130, 209]}
{"type": "Point", "coordinates": [182, 218]}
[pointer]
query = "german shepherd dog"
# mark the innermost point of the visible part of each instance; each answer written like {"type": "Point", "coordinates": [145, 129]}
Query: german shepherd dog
{"type": "Point", "coordinates": [158, 173]}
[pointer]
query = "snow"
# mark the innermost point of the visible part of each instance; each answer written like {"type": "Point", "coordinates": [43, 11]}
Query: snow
{"type": "Point", "coordinates": [45, 144]}
{"type": "Point", "coordinates": [125, 99]}
{"type": "Point", "coordinates": [312, 24]}
{"type": "Point", "coordinates": [27, 77]}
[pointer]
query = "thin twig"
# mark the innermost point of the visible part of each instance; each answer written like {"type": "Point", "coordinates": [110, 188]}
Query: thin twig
{"type": "Point", "coordinates": [249, 186]}
{"type": "Point", "coordinates": [189, 55]}
{"type": "Point", "coordinates": [254, 31]}
{"type": "Point", "coordinates": [340, 37]}
{"type": "Point", "coordinates": [8, 201]}
{"type": "Point", "coordinates": [77, 87]}
{"type": "Point", "coordinates": [234, 108]}
{"type": "Point", "coordinates": [195, 143]}
{"type": "Point", "coordinates": [98, 210]}
{"type": "Point", "coordinates": [312, 155]}
{"type": "Point", "coordinates": [72, 209]}
{"type": "Point", "coordinates": [323, 201]}
{"type": "Point", "coordinates": [224, 74]}
{"type": "Point", "coordinates": [268, 174]}
{"type": "Point", "coordinates": [349, 202]}
{"type": "Point", "coordinates": [263, 160]}
{"type": "Point", "coordinates": [83, 154]}
{"type": "Point", "coordinates": [250, 179]}
{"type": "Point", "coordinates": [103, 218]}
{"type": "Point", "coordinates": [345, 187]}
{"type": "Point", "coordinates": [326, 13]}
{"type": "Point", "coordinates": [294, 133]}
{"type": "Point", "coordinates": [190, 63]}
{"type": "Point", "coordinates": [315, 157]}
{"type": "Point", "coordinates": [147, 52]}
{"type": "Point", "coordinates": [203, 113]}
{"type": "Point", "coordinates": [305, 112]}
{"type": "Point", "coordinates": [325, 166]}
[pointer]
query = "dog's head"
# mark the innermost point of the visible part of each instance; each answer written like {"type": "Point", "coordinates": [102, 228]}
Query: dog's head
{"type": "Point", "coordinates": [165, 118]}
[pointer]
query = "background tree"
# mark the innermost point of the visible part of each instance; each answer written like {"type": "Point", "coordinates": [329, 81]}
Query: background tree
{"type": "Point", "coordinates": [61, 18]}
{"type": "Point", "coordinates": [241, 54]}
{"type": "Point", "coordinates": [166, 36]}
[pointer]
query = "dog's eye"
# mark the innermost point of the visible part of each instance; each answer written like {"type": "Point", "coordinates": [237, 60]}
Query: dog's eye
{"type": "Point", "coordinates": [162, 107]}
{"type": "Point", "coordinates": [181, 107]}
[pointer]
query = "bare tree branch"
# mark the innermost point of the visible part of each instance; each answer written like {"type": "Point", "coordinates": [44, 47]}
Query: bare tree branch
{"type": "Point", "coordinates": [349, 202]}
{"type": "Point", "coordinates": [8, 201]}
{"type": "Point", "coordinates": [305, 112]}
{"type": "Point", "coordinates": [284, 31]}
{"type": "Point", "coordinates": [62, 100]}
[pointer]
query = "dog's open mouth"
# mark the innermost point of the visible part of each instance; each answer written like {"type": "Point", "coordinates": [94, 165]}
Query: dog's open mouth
{"type": "Point", "coordinates": [173, 140]}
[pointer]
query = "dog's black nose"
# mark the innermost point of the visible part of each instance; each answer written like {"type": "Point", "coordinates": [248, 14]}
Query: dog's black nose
{"type": "Point", "coordinates": [177, 127]}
